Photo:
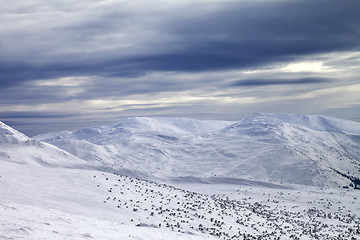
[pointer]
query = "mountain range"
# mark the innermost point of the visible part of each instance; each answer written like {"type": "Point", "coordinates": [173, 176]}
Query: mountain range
{"type": "Point", "coordinates": [268, 176]}
{"type": "Point", "coordinates": [280, 148]}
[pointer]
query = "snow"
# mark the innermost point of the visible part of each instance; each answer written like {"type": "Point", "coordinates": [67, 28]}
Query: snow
{"type": "Point", "coordinates": [267, 176]}
{"type": "Point", "coordinates": [10, 135]}
{"type": "Point", "coordinates": [317, 122]}
{"type": "Point", "coordinates": [63, 203]}
{"type": "Point", "coordinates": [57, 203]}
{"type": "Point", "coordinates": [279, 148]}
{"type": "Point", "coordinates": [134, 125]}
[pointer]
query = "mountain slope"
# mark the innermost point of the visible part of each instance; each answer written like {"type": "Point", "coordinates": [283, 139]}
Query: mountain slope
{"type": "Point", "coordinates": [61, 198]}
{"type": "Point", "coordinates": [317, 122]}
{"type": "Point", "coordinates": [62, 203]}
{"type": "Point", "coordinates": [18, 148]}
{"type": "Point", "coordinates": [47, 193]}
{"type": "Point", "coordinates": [280, 148]}
{"type": "Point", "coordinates": [9, 135]}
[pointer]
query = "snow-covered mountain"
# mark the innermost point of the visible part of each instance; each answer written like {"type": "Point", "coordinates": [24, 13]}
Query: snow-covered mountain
{"type": "Point", "coordinates": [278, 148]}
{"type": "Point", "coordinates": [18, 148]}
{"type": "Point", "coordinates": [9, 135]}
{"type": "Point", "coordinates": [47, 193]}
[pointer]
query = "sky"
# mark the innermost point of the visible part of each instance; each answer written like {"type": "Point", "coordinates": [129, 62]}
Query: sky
{"type": "Point", "coordinates": [72, 64]}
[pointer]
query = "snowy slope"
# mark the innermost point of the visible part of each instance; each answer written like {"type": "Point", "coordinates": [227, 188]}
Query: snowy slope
{"type": "Point", "coordinates": [317, 122]}
{"type": "Point", "coordinates": [47, 193]}
{"type": "Point", "coordinates": [280, 148]}
{"type": "Point", "coordinates": [63, 199]}
{"type": "Point", "coordinates": [38, 202]}
{"type": "Point", "coordinates": [18, 148]}
{"type": "Point", "coordinates": [106, 135]}
{"type": "Point", "coordinates": [10, 135]}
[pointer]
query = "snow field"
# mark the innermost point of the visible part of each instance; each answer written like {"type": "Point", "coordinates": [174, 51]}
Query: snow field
{"type": "Point", "coordinates": [270, 176]}
{"type": "Point", "coordinates": [74, 204]}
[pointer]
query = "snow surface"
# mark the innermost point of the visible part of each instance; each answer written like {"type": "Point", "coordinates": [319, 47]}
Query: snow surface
{"type": "Point", "coordinates": [10, 135]}
{"type": "Point", "coordinates": [39, 202]}
{"type": "Point", "coordinates": [48, 193]}
{"type": "Point", "coordinates": [57, 203]}
{"type": "Point", "coordinates": [278, 148]}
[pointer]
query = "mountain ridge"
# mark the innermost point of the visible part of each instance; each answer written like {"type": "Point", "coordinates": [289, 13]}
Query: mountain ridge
{"type": "Point", "coordinates": [271, 147]}
{"type": "Point", "coordinates": [18, 148]}
{"type": "Point", "coordinates": [10, 135]}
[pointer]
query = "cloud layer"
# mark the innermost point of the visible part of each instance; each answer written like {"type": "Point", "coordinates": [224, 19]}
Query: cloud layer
{"type": "Point", "coordinates": [187, 58]}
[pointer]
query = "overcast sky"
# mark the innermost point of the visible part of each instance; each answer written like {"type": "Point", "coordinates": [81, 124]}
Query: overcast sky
{"type": "Point", "coordinates": [71, 64]}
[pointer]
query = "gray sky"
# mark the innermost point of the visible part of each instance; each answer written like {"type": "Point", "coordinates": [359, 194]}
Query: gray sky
{"type": "Point", "coordinates": [71, 64]}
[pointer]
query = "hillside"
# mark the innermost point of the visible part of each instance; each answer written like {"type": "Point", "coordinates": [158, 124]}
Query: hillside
{"type": "Point", "coordinates": [47, 193]}
{"type": "Point", "coordinates": [279, 148]}
{"type": "Point", "coordinates": [16, 147]}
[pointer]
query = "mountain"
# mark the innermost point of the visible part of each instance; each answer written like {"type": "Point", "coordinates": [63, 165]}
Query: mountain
{"type": "Point", "coordinates": [18, 148]}
{"type": "Point", "coordinates": [47, 193]}
{"type": "Point", "coordinates": [280, 148]}
{"type": "Point", "coordinates": [107, 135]}
{"type": "Point", "coordinates": [9, 135]}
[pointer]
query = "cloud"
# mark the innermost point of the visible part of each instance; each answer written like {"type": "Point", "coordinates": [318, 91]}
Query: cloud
{"type": "Point", "coordinates": [242, 35]}
{"type": "Point", "coordinates": [266, 82]}
{"type": "Point", "coordinates": [109, 39]}
{"type": "Point", "coordinates": [29, 115]}
{"type": "Point", "coordinates": [200, 58]}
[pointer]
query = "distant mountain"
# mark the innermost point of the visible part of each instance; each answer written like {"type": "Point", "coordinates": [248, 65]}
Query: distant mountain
{"type": "Point", "coordinates": [278, 148]}
{"type": "Point", "coordinates": [105, 135]}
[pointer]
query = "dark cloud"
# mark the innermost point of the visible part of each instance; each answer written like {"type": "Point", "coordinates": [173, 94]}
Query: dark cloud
{"type": "Point", "coordinates": [249, 35]}
{"type": "Point", "coordinates": [27, 115]}
{"type": "Point", "coordinates": [146, 50]}
{"type": "Point", "coordinates": [31, 123]}
{"type": "Point", "coordinates": [267, 82]}
{"type": "Point", "coordinates": [25, 94]}
{"type": "Point", "coordinates": [230, 36]}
